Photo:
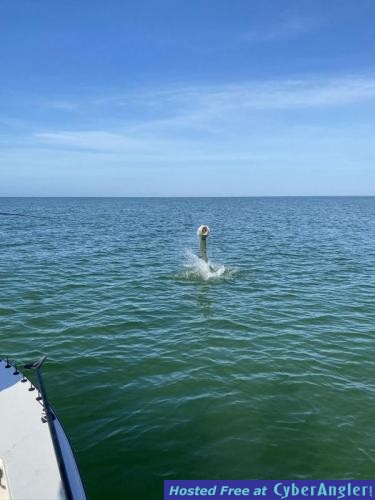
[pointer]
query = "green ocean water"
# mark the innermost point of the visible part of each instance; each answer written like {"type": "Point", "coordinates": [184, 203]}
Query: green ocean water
{"type": "Point", "coordinates": [159, 369]}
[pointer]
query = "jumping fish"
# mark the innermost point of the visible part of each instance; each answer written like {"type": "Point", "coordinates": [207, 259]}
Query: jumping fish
{"type": "Point", "coordinates": [203, 232]}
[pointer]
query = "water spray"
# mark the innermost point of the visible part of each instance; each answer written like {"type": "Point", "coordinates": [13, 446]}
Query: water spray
{"type": "Point", "coordinates": [203, 232]}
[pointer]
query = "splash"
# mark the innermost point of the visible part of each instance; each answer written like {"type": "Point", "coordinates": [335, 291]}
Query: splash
{"type": "Point", "coordinates": [196, 268]}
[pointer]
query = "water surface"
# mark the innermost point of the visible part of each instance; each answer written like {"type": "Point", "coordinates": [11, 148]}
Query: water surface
{"type": "Point", "coordinates": [159, 370]}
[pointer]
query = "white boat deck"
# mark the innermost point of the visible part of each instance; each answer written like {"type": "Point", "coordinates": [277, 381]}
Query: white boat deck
{"type": "Point", "coordinates": [29, 469]}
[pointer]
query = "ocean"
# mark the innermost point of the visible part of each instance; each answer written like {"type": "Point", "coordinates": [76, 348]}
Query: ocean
{"type": "Point", "coordinates": [262, 368]}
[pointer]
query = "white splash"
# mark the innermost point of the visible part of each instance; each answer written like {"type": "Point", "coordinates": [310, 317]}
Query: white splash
{"type": "Point", "coordinates": [197, 268]}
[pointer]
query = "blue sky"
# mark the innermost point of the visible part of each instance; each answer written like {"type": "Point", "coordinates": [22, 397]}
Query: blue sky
{"type": "Point", "coordinates": [187, 98]}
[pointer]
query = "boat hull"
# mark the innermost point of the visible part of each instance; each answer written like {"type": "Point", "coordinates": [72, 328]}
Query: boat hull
{"type": "Point", "coordinates": [29, 467]}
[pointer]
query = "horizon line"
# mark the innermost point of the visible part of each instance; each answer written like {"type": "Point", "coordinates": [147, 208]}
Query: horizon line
{"type": "Point", "coordinates": [197, 196]}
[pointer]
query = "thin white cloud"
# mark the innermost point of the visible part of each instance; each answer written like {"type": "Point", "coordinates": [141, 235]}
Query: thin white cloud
{"type": "Point", "coordinates": [63, 105]}
{"type": "Point", "coordinates": [184, 102]}
{"type": "Point", "coordinates": [195, 105]}
{"type": "Point", "coordinates": [212, 122]}
{"type": "Point", "coordinates": [90, 139]}
{"type": "Point", "coordinates": [288, 27]}
{"type": "Point", "coordinates": [300, 136]}
{"type": "Point", "coordinates": [179, 103]}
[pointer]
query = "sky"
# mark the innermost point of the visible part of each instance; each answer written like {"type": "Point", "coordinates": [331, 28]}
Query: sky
{"type": "Point", "coordinates": [187, 98]}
